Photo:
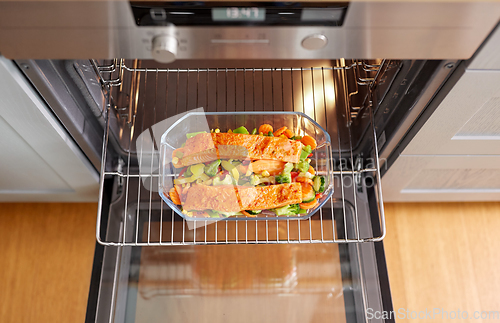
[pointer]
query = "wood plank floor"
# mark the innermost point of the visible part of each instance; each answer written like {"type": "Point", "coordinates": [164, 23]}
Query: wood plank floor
{"type": "Point", "coordinates": [46, 261]}
{"type": "Point", "coordinates": [445, 256]}
{"type": "Point", "coordinates": [439, 255]}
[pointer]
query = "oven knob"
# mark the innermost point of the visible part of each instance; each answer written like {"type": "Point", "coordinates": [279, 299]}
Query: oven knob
{"type": "Point", "coordinates": [164, 48]}
{"type": "Point", "coordinates": [313, 42]}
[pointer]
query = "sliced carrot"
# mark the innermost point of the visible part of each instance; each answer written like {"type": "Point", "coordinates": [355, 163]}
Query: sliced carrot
{"type": "Point", "coordinates": [304, 180]}
{"type": "Point", "coordinates": [311, 170]}
{"type": "Point", "coordinates": [265, 128]}
{"type": "Point", "coordinates": [174, 196]}
{"type": "Point", "coordinates": [280, 131]}
{"type": "Point", "coordinates": [242, 168]}
{"type": "Point", "coordinates": [183, 171]}
{"type": "Point", "coordinates": [308, 205]}
{"type": "Point", "coordinates": [306, 189]}
{"type": "Point", "coordinates": [308, 140]}
{"type": "Point", "coordinates": [274, 167]}
{"type": "Point", "coordinates": [288, 133]}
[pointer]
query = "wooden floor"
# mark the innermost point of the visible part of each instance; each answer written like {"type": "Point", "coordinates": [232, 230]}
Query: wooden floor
{"type": "Point", "coordinates": [444, 256]}
{"type": "Point", "coordinates": [439, 255]}
{"type": "Point", "coordinates": [46, 261]}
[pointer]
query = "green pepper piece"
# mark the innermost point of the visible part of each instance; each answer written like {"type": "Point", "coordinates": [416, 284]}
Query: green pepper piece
{"type": "Point", "coordinates": [226, 181]}
{"type": "Point", "coordinates": [242, 130]}
{"type": "Point", "coordinates": [212, 168]}
{"type": "Point", "coordinates": [303, 166]}
{"type": "Point", "coordinates": [227, 165]}
{"type": "Point", "coordinates": [305, 152]}
{"type": "Point", "coordinates": [288, 168]}
{"type": "Point", "coordinates": [254, 131]}
{"type": "Point", "coordinates": [270, 134]}
{"type": "Point", "coordinates": [212, 213]}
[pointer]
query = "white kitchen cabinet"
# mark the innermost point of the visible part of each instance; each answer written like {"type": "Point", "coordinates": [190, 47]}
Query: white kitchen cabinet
{"type": "Point", "coordinates": [443, 178]}
{"type": "Point", "coordinates": [38, 160]}
{"type": "Point", "coordinates": [467, 122]}
{"type": "Point", "coordinates": [487, 58]}
{"type": "Point", "coordinates": [455, 156]}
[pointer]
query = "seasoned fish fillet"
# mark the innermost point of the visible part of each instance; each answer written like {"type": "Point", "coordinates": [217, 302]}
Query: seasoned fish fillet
{"type": "Point", "coordinates": [225, 152]}
{"type": "Point", "coordinates": [207, 147]}
{"type": "Point", "coordinates": [228, 198]}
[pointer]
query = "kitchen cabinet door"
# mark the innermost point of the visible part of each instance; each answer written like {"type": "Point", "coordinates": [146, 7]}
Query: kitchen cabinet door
{"type": "Point", "coordinates": [39, 161]}
{"type": "Point", "coordinates": [443, 178]}
{"type": "Point", "coordinates": [467, 122]}
{"type": "Point", "coordinates": [488, 58]}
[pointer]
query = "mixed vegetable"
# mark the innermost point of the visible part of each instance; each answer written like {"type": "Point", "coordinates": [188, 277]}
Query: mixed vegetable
{"type": "Point", "coordinates": [254, 173]}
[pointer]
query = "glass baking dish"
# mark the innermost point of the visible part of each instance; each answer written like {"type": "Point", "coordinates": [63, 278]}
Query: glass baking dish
{"type": "Point", "coordinates": [192, 122]}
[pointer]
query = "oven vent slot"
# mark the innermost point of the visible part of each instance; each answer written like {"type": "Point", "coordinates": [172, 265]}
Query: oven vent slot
{"type": "Point", "coordinates": [337, 96]}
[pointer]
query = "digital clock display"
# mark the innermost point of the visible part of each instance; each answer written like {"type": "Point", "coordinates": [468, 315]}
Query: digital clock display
{"type": "Point", "coordinates": [238, 14]}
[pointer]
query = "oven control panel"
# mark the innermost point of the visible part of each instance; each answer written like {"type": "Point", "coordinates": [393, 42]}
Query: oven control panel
{"type": "Point", "coordinates": [167, 46]}
{"type": "Point", "coordinates": [171, 30]}
{"type": "Point", "coordinates": [237, 30]}
{"type": "Point", "coordinates": [239, 13]}
{"type": "Point", "coordinates": [164, 48]}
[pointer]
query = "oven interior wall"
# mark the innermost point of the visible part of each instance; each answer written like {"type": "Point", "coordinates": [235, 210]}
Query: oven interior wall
{"type": "Point", "coordinates": [145, 97]}
{"type": "Point", "coordinates": [145, 92]}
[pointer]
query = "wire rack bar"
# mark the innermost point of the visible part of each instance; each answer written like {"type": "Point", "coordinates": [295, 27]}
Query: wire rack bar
{"type": "Point", "coordinates": [154, 94]}
{"type": "Point", "coordinates": [119, 65]}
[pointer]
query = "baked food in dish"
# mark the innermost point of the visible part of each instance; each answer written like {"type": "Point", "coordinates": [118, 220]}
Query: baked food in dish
{"type": "Point", "coordinates": [206, 147]}
{"type": "Point", "coordinates": [239, 173]}
{"type": "Point", "coordinates": [229, 198]}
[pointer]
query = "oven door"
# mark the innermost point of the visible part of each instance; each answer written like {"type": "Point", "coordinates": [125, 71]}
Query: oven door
{"type": "Point", "coordinates": [156, 267]}
{"type": "Point", "coordinates": [300, 282]}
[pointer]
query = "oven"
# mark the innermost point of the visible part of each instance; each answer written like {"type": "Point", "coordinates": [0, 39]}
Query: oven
{"type": "Point", "coordinates": [118, 74]}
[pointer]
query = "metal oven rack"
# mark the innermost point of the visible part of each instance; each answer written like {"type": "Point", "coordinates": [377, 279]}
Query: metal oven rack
{"type": "Point", "coordinates": [142, 95]}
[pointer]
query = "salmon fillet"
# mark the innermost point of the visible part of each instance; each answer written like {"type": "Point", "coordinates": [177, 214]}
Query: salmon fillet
{"type": "Point", "coordinates": [207, 147]}
{"type": "Point", "coordinates": [228, 198]}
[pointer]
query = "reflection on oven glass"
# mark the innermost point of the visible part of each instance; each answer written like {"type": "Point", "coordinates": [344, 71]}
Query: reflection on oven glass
{"type": "Point", "coordinates": [241, 283]}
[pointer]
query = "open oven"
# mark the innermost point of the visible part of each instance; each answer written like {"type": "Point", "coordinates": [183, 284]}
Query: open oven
{"type": "Point", "coordinates": [368, 73]}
